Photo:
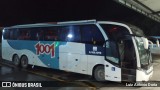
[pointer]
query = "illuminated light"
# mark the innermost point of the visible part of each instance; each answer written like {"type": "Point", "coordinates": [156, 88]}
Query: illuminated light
{"type": "Point", "coordinates": [56, 44]}
{"type": "Point", "coordinates": [70, 36]}
{"type": "Point", "coordinates": [3, 31]}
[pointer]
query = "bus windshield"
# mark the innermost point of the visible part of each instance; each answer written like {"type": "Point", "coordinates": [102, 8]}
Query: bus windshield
{"type": "Point", "coordinates": [123, 47]}
{"type": "Point", "coordinates": [116, 33]}
{"type": "Point", "coordinates": [144, 54]}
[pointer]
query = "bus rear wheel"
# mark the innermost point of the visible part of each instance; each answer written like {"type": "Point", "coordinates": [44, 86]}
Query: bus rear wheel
{"type": "Point", "coordinates": [24, 62]}
{"type": "Point", "coordinates": [16, 60]}
{"type": "Point", "coordinates": [99, 73]}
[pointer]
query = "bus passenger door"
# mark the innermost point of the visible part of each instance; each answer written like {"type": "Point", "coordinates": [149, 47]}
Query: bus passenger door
{"type": "Point", "coordinates": [112, 66]}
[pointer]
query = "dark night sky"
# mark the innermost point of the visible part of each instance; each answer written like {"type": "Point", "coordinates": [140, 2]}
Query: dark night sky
{"type": "Point", "coordinates": [14, 12]}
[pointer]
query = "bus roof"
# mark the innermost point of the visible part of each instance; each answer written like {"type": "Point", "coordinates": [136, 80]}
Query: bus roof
{"type": "Point", "coordinates": [93, 21]}
{"type": "Point", "coordinates": [53, 24]}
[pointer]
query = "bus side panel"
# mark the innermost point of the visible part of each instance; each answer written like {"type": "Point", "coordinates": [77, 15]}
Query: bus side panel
{"type": "Point", "coordinates": [68, 56]}
{"type": "Point", "coordinates": [6, 53]}
{"type": "Point", "coordinates": [40, 53]}
{"type": "Point", "coordinates": [144, 75]}
{"type": "Point", "coordinates": [93, 61]}
{"type": "Point", "coordinates": [11, 47]}
{"type": "Point", "coordinates": [73, 58]}
{"type": "Point", "coordinates": [95, 55]}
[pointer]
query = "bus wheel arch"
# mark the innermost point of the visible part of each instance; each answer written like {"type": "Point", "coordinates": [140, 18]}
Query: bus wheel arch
{"type": "Point", "coordinates": [16, 60]}
{"type": "Point", "coordinates": [98, 72]}
{"type": "Point", "coordinates": [24, 61]}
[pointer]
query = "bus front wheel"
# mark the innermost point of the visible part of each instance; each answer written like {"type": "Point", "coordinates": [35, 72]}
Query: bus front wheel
{"type": "Point", "coordinates": [24, 62]}
{"type": "Point", "coordinates": [99, 73]}
{"type": "Point", "coordinates": [16, 60]}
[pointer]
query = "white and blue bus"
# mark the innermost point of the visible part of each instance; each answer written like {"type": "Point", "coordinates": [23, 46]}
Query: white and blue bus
{"type": "Point", "coordinates": [106, 50]}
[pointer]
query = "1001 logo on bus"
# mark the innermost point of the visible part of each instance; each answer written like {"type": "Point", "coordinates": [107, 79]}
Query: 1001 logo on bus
{"type": "Point", "coordinates": [45, 49]}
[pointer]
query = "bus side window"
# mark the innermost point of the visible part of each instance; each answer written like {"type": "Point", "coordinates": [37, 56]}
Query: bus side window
{"type": "Point", "coordinates": [63, 33]}
{"type": "Point", "coordinates": [92, 35]}
{"type": "Point", "coordinates": [98, 38]}
{"type": "Point", "coordinates": [39, 35]}
{"type": "Point", "coordinates": [70, 33]}
{"type": "Point", "coordinates": [20, 37]}
{"type": "Point", "coordinates": [25, 34]}
{"type": "Point", "coordinates": [77, 33]}
{"type": "Point", "coordinates": [13, 34]}
{"type": "Point", "coordinates": [6, 34]}
{"type": "Point", "coordinates": [86, 34]}
{"type": "Point", "coordinates": [35, 33]}
{"type": "Point", "coordinates": [51, 34]}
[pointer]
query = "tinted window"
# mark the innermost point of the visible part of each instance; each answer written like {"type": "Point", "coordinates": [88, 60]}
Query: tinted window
{"type": "Point", "coordinates": [6, 34]}
{"type": "Point", "coordinates": [51, 33]}
{"type": "Point", "coordinates": [14, 33]}
{"type": "Point", "coordinates": [70, 33]}
{"type": "Point", "coordinates": [115, 32]}
{"type": "Point", "coordinates": [24, 34]}
{"type": "Point", "coordinates": [38, 34]}
{"type": "Point", "coordinates": [31, 34]}
{"type": "Point", "coordinates": [92, 35]}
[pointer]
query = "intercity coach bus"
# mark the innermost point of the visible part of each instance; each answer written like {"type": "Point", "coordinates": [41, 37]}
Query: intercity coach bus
{"type": "Point", "coordinates": [105, 50]}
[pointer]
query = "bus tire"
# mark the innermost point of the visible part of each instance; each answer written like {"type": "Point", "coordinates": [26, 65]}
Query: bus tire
{"type": "Point", "coordinates": [99, 73]}
{"type": "Point", "coordinates": [16, 60]}
{"type": "Point", "coordinates": [24, 62]}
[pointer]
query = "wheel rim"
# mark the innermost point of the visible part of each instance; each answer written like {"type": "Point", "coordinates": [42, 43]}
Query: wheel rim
{"type": "Point", "coordinates": [100, 74]}
{"type": "Point", "coordinates": [24, 62]}
{"type": "Point", "coordinates": [16, 60]}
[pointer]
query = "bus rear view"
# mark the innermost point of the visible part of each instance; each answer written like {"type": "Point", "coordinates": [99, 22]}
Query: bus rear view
{"type": "Point", "coordinates": [105, 50]}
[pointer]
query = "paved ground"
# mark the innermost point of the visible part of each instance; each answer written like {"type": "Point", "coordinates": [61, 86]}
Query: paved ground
{"type": "Point", "coordinates": [156, 77]}
{"type": "Point", "coordinates": [12, 73]}
{"type": "Point", "coordinates": [66, 81]}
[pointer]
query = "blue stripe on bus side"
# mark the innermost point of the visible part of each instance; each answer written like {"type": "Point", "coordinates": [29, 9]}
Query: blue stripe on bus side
{"type": "Point", "coordinates": [51, 62]}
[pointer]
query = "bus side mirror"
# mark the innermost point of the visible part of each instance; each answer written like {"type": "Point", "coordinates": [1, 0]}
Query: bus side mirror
{"type": "Point", "coordinates": [151, 44]}
{"type": "Point", "coordinates": [146, 42]}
